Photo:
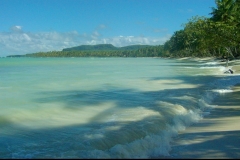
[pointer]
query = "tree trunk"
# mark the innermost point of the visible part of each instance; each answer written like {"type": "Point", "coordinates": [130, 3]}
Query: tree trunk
{"type": "Point", "coordinates": [228, 51]}
{"type": "Point", "coordinates": [215, 53]}
{"type": "Point", "coordinates": [227, 58]}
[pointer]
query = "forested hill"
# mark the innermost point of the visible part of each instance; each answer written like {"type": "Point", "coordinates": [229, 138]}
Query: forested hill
{"type": "Point", "coordinates": [102, 50]}
{"type": "Point", "coordinates": [104, 47]}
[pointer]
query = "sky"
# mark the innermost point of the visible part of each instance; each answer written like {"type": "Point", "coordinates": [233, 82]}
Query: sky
{"type": "Point", "coordinates": [30, 26]}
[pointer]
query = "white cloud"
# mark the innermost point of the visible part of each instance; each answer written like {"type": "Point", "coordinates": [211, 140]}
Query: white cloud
{"type": "Point", "coordinates": [95, 35]}
{"type": "Point", "coordinates": [120, 41]}
{"type": "Point", "coordinates": [26, 37]}
{"type": "Point", "coordinates": [16, 28]}
{"type": "Point", "coordinates": [18, 42]}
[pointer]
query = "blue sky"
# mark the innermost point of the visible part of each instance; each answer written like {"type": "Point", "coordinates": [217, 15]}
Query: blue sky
{"type": "Point", "coordinates": [29, 26]}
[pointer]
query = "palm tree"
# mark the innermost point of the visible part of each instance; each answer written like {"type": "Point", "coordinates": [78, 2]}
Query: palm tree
{"type": "Point", "coordinates": [225, 11]}
{"type": "Point", "coordinates": [226, 18]}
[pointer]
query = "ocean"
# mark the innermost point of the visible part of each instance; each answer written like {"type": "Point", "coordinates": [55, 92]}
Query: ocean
{"type": "Point", "coordinates": [103, 107]}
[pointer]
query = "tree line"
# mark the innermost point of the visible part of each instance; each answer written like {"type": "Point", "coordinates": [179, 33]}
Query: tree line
{"type": "Point", "coordinates": [217, 36]}
{"type": "Point", "coordinates": [152, 51]}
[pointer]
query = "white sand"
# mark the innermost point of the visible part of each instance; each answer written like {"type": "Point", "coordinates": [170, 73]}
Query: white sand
{"type": "Point", "coordinates": [217, 136]}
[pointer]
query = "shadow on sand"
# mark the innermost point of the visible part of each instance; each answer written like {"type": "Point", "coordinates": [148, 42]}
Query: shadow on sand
{"type": "Point", "coordinates": [203, 141]}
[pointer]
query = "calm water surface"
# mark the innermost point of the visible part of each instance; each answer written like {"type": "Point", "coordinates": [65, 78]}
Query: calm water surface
{"type": "Point", "coordinates": [102, 107]}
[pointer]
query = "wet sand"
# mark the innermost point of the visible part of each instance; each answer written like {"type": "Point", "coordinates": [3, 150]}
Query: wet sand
{"type": "Point", "coordinates": [217, 135]}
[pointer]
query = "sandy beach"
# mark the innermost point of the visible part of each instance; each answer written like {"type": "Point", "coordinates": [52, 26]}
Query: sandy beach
{"type": "Point", "coordinates": [217, 135]}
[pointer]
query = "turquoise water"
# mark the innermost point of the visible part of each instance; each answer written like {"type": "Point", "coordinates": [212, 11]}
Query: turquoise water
{"type": "Point", "coordinates": [102, 107]}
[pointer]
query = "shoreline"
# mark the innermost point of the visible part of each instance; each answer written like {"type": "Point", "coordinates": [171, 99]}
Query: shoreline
{"type": "Point", "coordinates": [217, 135]}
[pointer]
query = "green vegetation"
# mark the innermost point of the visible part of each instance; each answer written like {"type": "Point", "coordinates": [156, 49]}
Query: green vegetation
{"type": "Point", "coordinates": [217, 36]}
{"type": "Point", "coordinates": [92, 51]}
{"type": "Point", "coordinates": [101, 50]}
{"type": "Point", "coordinates": [99, 47]}
{"type": "Point", "coordinates": [104, 47]}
